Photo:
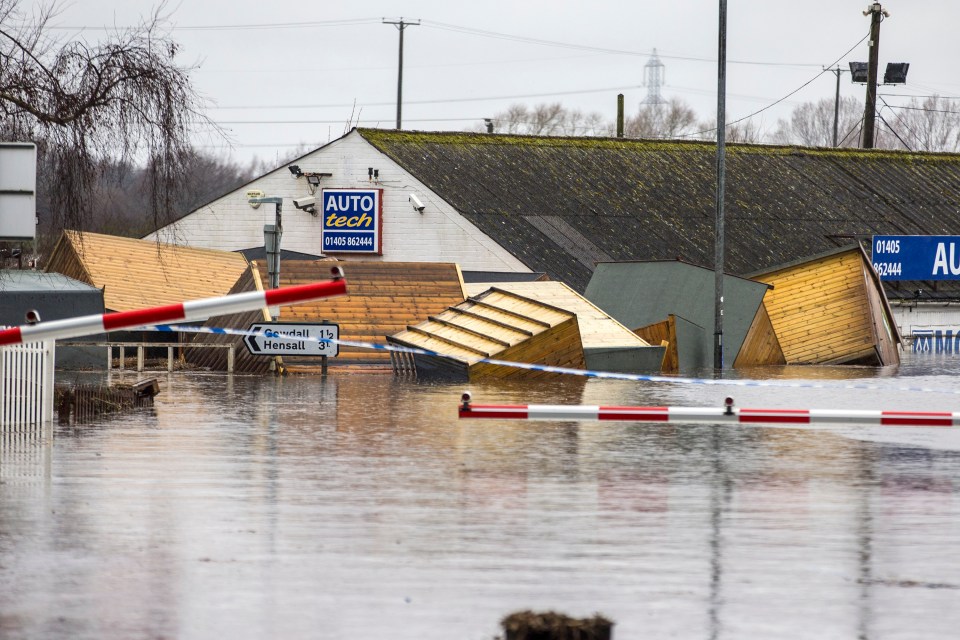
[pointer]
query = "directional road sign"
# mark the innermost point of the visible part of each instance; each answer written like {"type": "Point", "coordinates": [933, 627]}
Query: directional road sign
{"type": "Point", "coordinates": [292, 339]}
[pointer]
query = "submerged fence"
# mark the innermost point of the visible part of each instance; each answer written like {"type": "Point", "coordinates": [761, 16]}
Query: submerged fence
{"type": "Point", "coordinates": [26, 387]}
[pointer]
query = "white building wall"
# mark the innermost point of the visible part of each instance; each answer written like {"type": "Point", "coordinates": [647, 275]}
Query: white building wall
{"type": "Point", "coordinates": [439, 234]}
{"type": "Point", "coordinates": [933, 316]}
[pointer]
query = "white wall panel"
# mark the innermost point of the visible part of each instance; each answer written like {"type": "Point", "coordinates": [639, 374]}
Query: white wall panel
{"type": "Point", "coordinates": [439, 234]}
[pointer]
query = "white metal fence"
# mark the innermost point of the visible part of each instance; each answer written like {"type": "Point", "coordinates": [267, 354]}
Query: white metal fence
{"type": "Point", "coordinates": [26, 387]}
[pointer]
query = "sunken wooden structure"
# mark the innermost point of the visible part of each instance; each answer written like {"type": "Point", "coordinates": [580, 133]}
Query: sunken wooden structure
{"type": "Point", "coordinates": [831, 309]}
{"type": "Point", "coordinates": [607, 344]}
{"type": "Point", "coordinates": [383, 298]}
{"type": "Point", "coordinates": [135, 274]}
{"type": "Point", "coordinates": [495, 324]}
{"type": "Point", "coordinates": [81, 403]}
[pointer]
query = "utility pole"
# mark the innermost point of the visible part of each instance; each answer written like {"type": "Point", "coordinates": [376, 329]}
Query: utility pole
{"type": "Point", "coordinates": [836, 107]}
{"type": "Point", "coordinates": [721, 178]}
{"type": "Point", "coordinates": [876, 13]}
{"type": "Point", "coordinates": [400, 25]}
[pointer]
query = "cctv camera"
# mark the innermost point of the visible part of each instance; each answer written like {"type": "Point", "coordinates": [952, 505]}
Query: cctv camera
{"type": "Point", "coordinates": [32, 316]}
{"type": "Point", "coordinates": [415, 201]}
{"type": "Point", "coordinates": [307, 204]}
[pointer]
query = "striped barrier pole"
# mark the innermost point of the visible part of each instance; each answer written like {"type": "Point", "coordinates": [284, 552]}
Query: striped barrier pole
{"type": "Point", "coordinates": [726, 414]}
{"type": "Point", "coordinates": [180, 312]}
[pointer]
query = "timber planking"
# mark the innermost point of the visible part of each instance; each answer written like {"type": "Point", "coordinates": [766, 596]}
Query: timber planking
{"type": "Point", "coordinates": [496, 324]}
{"type": "Point", "coordinates": [136, 274]}
{"type": "Point", "coordinates": [826, 310]}
{"type": "Point", "coordinates": [383, 298]}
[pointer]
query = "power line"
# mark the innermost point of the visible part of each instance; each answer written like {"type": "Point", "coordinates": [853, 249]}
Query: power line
{"type": "Point", "coordinates": [440, 101]}
{"type": "Point", "coordinates": [567, 45]}
{"type": "Point", "coordinates": [442, 26]}
{"type": "Point", "coordinates": [803, 86]}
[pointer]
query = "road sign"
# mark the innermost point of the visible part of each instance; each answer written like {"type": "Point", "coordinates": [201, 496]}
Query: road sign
{"type": "Point", "coordinates": [293, 339]}
{"type": "Point", "coordinates": [917, 257]}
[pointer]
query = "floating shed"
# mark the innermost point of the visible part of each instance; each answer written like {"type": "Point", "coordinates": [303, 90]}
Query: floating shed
{"type": "Point", "coordinates": [384, 298]}
{"type": "Point", "coordinates": [135, 274]}
{"type": "Point", "coordinates": [641, 294]}
{"type": "Point", "coordinates": [607, 344]}
{"type": "Point", "coordinates": [831, 309]}
{"type": "Point", "coordinates": [496, 324]}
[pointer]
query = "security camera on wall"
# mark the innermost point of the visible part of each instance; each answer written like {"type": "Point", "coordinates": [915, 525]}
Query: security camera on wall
{"type": "Point", "coordinates": [307, 203]}
{"type": "Point", "coordinates": [415, 201]}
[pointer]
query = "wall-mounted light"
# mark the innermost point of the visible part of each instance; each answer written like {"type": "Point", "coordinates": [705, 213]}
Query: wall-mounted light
{"type": "Point", "coordinates": [313, 177]}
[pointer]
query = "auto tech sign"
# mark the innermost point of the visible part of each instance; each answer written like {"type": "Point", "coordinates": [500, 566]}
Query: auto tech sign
{"type": "Point", "coordinates": [352, 220]}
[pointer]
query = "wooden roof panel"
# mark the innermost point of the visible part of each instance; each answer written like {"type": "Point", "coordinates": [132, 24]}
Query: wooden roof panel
{"type": "Point", "coordinates": [136, 274]}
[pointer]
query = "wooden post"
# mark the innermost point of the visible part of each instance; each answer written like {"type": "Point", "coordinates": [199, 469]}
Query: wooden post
{"type": "Point", "coordinates": [231, 355]}
{"type": "Point", "coordinates": [140, 357]}
{"type": "Point", "coordinates": [123, 356]}
{"type": "Point", "coordinates": [169, 358]}
{"type": "Point", "coordinates": [109, 357]}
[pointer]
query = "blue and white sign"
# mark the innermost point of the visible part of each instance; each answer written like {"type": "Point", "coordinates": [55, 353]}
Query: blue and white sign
{"type": "Point", "coordinates": [352, 220]}
{"type": "Point", "coordinates": [917, 257]}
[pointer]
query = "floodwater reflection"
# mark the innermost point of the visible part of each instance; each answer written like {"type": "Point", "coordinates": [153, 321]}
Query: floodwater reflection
{"type": "Point", "coordinates": [360, 507]}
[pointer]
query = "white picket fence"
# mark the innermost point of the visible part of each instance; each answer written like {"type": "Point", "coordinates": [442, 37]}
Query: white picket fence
{"type": "Point", "coordinates": [26, 387]}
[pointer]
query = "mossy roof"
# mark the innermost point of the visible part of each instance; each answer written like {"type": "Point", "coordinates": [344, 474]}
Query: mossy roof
{"type": "Point", "coordinates": [562, 204]}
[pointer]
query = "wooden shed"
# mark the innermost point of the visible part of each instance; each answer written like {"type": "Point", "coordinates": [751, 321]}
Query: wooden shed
{"type": "Point", "coordinates": [384, 298]}
{"type": "Point", "coordinates": [607, 344]}
{"type": "Point", "coordinates": [135, 274]}
{"type": "Point", "coordinates": [495, 324]}
{"type": "Point", "coordinates": [831, 309]}
{"type": "Point", "coordinates": [644, 295]}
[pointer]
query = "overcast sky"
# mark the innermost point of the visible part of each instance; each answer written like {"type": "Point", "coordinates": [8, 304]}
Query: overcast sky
{"type": "Point", "coordinates": [279, 75]}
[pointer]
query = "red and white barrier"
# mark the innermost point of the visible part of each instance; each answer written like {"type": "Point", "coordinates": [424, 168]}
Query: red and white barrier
{"type": "Point", "coordinates": [725, 414]}
{"type": "Point", "coordinates": [180, 312]}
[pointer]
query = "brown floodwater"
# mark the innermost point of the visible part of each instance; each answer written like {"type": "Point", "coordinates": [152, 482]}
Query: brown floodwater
{"type": "Point", "coordinates": [359, 506]}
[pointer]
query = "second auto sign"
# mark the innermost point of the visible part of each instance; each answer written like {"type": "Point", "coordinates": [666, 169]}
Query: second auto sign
{"type": "Point", "coordinates": [916, 257]}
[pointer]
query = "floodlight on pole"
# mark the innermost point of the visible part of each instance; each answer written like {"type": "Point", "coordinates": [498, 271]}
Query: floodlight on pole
{"type": "Point", "coordinates": [896, 73]}
{"type": "Point", "coordinates": [858, 72]}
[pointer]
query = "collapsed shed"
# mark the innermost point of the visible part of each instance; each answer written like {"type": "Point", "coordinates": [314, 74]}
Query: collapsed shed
{"type": "Point", "coordinates": [607, 344]}
{"type": "Point", "coordinates": [494, 325]}
{"type": "Point", "coordinates": [644, 296]}
{"type": "Point", "coordinates": [831, 309]}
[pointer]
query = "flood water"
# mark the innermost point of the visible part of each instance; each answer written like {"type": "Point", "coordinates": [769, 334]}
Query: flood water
{"type": "Point", "coordinates": [359, 506]}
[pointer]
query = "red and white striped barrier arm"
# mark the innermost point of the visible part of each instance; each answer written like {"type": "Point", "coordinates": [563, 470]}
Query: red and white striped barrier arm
{"type": "Point", "coordinates": [727, 413]}
{"type": "Point", "coordinates": [180, 312]}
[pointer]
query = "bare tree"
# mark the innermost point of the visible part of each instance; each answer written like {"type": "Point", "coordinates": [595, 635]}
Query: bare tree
{"type": "Point", "coordinates": [671, 119]}
{"type": "Point", "coordinates": [811, 124]}
{"type": "Point", "coordinates": [931, 124]}
{"type": "Point", "coordinates": [547, 120]}
{"type": "Point", "coordinates": [86, 104]}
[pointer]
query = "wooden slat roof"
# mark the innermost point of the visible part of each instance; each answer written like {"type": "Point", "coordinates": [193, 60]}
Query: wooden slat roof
{"type": "Point", "coordinates": [597, 328]}
{"type": "Point", "coordinates": [484, 326]}
{"type": "Point", "coordinates": [135, 274]}
{"type": "Point", "coordinates": [384, 298]}
{"type": "Point", "coordinates": [562, 204]}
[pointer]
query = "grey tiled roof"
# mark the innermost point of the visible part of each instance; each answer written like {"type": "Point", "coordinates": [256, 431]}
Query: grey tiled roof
{"type": "Point", "coordinates": [561, 204]}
